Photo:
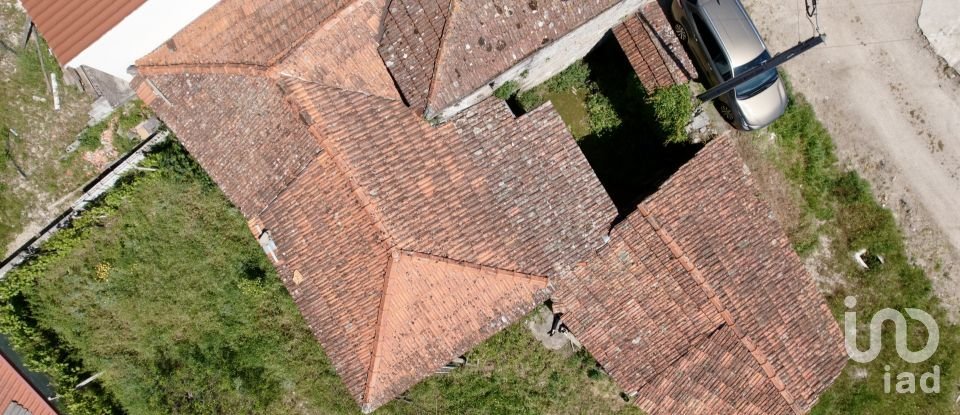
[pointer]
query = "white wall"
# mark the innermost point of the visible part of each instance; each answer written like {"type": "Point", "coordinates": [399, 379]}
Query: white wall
{"type": "Point", "coordinates": [138, 34]}
{"type": "Point", "coordinates": [553, 58]}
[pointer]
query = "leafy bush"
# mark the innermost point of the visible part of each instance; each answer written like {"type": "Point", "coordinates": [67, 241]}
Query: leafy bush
{"type": "Point", "coordinates": [673, 108]}
{"type": "Point", "coordinates": [575, 76]}
{"type": "Point", "coordinates": [603, 117]}
{"type": "Point", "coordinates": [507, 90]}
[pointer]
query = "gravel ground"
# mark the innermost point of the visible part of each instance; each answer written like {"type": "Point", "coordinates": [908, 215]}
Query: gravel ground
{"type": "Point", "coordinates": [892, 106]}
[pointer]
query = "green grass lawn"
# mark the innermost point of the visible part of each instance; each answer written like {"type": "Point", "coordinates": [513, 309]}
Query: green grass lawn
{"type": "Point", "coordinates": [162, 287]}
{"type": "Point", "coordinates": [837, 205]}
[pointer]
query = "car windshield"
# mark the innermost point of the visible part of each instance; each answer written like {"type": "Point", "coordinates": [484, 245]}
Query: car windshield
{"type": "Point", "coordinates": [755, 85]}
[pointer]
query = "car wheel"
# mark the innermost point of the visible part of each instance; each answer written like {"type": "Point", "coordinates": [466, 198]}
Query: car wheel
{"type": "Point", "coordinates": [725, 112]}
{"type": "Point", "coordinates": [680, 31]}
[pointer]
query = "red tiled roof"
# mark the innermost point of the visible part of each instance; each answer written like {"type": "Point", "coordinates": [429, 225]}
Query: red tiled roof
{"type": "Point", "coordinates": [427, 298]}
{"type": "Point", "coordinates": [708, 231]}
{"type": "Point", "coordinates": [15, 390]}
{"type": "Point", "coordinates": [251, 160]}
{"type": "Point", "coordinates": [390, 232]}
{"type": "Point", "coordinates": [253, 32]}
{"type": "Point", "coordinates": [386, 227]}
{"type": "Point", "coordinates": [441, 51]}
{"type": "Point", "coordinates": [653, 49]}
{"type": "Point", "coordinates": [351, 41]}
{"type": "Point", "coordinates": [70, 26]}
{"type": "Point", "coordinates": [333, 261]}
{"type": "Point", "coordinates": [493, 190]}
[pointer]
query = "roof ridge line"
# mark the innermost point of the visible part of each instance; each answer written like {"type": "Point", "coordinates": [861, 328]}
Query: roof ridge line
{"type": "Point", "coordinates": [203, 68]}
{"type": "Point", "coordinates": [680, 256]}
{"type": "Point", "coordinates": [495, 270]}
{"type": "Point", "coordinates": [282, 56]}
{"type": "Point", "coordinates": [368, 204]}
{"type": "Point", "coordinates": [436, 59]}
{"type": "Point", "coordinates": [374, 359]}
{"type": "Point", "coordinates": [284, 77]}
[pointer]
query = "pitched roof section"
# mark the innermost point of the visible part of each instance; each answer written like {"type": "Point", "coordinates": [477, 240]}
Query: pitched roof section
{"type": "Point", "coordinates": [735, 260]}
{"type": "Point", "coordinates": [17, 393]}
{"type": "Point", "coordinates": [717, 377]}
{"type": "Point", "coordinates": [412, 33]}
{"type": "Point", "coordinates": [440, 53]}
{"type": "Point", "coordinates": [711, 209]}
{"type": "Point", "coordinates": [70, 26]}
{"type": "Point", "coordinates": [653, 49]}
{"type": "Point", "coordinates": [332, 261]}
{"type": "Point", "coordinates": [429, 298]}
{"type": "Point", "coordinates": [487, 188]}
{"type": "Point", "coordinates": [348, 44]}
{"type": "Point", "coordinates": [252, 32]}
{"type": "Point", "coordinates": [632, 305]}
{"type": "Point", "coordinates": [239, 129]}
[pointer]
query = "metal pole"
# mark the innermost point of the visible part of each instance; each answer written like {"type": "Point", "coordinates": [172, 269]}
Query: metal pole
{"type": "Point", "coordinates": [780, 59]}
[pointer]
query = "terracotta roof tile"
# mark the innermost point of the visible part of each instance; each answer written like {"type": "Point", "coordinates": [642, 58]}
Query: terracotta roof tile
{"type": "Point", "coordinates": [410, 43]}
{"type": "Point", "coordinates": [349, 42]}
{"type": "Point", "coordinates": [70, 26]}
{"type": "Point", "coordinates": [716, 377]}
{"type": "Point", "coordinates": [712, 209]}
{"type": "Point", "coordinates": [441, 51]}
{"type": "Point", "coordinates": [732, 262]}
{"type": "Point", "coordinates": [374, 213]}
{"type": "Point", "coordinates": [239, 129]}
{"type": "Point", "coordinates": [653, 49]}
{"type": "Point", "coordinates": [487, 188]}
{"type": "Point", "coordinates": [257, 32]}
{"type": "Point", "coordinates": [323, 234]}
{"type": "Point", "coordinates": [15, 389]}
{"type": "Point", "coordinates": [430, 298]}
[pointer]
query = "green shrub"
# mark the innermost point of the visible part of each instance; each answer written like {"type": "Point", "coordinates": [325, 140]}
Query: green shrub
{"type": "Point", "coordinates": [603, 117]}
{"type": "Point", "coordinates": [531, 99]}
{"type": "Point", "coordinates": [507, 90]}
{"type": "Point", "coordinates": [90, 137]}
{"type": "Point", "coordinates": [575, 76]}
{"type": "Point", "coordinates": [673, 108]}
{"type": "Point", "coordinates": [160, 286]}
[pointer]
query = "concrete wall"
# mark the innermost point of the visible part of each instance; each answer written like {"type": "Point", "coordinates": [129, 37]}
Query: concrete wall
{"type": "Point", "coordinates": [553, 58]}
{"type": "Point", "coordinates": [139, 34]}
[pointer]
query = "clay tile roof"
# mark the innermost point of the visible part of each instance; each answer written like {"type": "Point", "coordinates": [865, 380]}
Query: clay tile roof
{"type": "Point", "coordinates": [404, 244]}
{"type": "Point", "coordinates": [349, 41]}
{"type": "Point", "coordinates": [333, 262]}
{"type": "Point", "coordinates": [253, 32]}
{"type": "Point", "coordinates": [16, 393]}
{"type": "Point", "coordinates": [486, 188]}
{"type": "Point", "coordinates": [705, 245]}
{"type": "Point", "coordinates": [429, 298]}
{"type": "Point", "coordinates": [653, 49]}
{"type": "Point", "coordinates": [70, 26]}
{"type": "Point", "coordinates": [441, 51]}
{"type": "Point", "coordinates": [239, 129]}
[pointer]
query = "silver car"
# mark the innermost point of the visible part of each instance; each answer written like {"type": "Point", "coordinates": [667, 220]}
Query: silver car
{"type": "Point", "coordinates": [724, 42]}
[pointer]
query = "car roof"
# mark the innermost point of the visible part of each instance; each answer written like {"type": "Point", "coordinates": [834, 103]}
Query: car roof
{"type": "Point", "coordinates": [734, 29]}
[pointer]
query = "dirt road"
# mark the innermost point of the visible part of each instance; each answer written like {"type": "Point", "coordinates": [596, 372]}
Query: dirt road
{"type": "Point", "coordinates": [893, 109]}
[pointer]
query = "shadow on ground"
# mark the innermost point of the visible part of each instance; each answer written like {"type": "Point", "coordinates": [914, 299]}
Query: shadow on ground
{"type": "Point", "coordinates": [632, 160]}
